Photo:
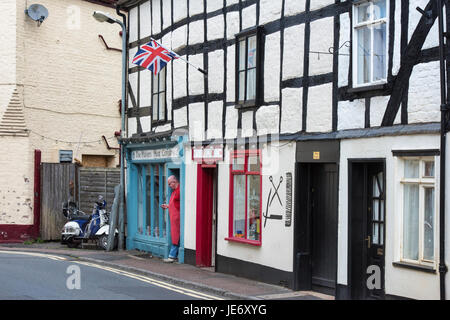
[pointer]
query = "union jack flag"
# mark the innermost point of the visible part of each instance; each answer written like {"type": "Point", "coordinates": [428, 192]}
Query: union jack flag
{"type": "Point", "coordinates": [153, 56]}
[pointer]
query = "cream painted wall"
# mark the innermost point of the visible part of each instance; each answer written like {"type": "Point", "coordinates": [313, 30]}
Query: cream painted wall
{"type": "Point", "coordinates": [72, 83]}
{"type": "Point", "coordinates": [69, 86]}
{"type": "Point", "coordinates": [16, 181]}
{"type": "Point", "coordinates": [7, 52]}
{"type": "Point", "coordinates": [398, 281]}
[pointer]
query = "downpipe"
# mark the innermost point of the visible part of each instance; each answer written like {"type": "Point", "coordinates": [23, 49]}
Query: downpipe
{"type": "Point", "coordinates": [444, 109]}
{"type": "Point", "coordinates": [122, 111]}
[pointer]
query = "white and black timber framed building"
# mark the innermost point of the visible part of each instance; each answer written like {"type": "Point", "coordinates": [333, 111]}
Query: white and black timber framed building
{"type": "Point", "coordinates": [310, 154]}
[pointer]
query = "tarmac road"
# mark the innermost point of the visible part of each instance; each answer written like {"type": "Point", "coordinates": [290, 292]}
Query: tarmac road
{"type": "Point", "coordinates": [39, 276]}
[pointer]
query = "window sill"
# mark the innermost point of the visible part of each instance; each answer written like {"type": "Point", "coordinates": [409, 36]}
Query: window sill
{"type": "Point", "coordinates": [246, 241]}
{"type": "Point", "coordinates": [417, 267]}
{"type": "Point", "coordinates": [374, 87]}
{"type": "Point", "coordinates": [249, 106]}
{"type": "Point", "coordinates": [159, 122]}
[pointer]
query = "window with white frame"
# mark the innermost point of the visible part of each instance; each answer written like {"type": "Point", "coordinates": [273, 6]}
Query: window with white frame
{"type": "Point", "coordinates": [370, 27]}
{"type": "Point", "coordinates": [419, 210]}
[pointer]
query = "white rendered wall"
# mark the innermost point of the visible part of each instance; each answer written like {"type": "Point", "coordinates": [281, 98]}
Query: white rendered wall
{"type": "Point", "coordinates": [190, 194]}
{"type": "Point", "coordinates": [398, 281]}
{"type": "Point", "coordinates": [277, 158]}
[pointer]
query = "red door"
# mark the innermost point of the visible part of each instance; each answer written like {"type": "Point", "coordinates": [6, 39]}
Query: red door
{"type": "Point", "coordinates": [205, 208]}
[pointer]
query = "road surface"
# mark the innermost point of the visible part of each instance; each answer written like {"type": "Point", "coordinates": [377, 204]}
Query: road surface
{"type": "Point", "coordinates": [37, 276]}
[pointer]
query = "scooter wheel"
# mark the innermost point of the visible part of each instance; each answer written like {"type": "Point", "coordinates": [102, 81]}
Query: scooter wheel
{"type": "Point", "coordinates": [72, 244]}
{"type": "Point", "coordinates": [103, 241]}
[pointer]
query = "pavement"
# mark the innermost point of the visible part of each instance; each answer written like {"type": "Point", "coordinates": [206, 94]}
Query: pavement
{"type": "Point", "coordinates": [203, 279]}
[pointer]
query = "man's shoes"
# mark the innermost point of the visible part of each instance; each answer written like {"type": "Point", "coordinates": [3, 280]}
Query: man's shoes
{"type": "Point", "coordinates": [169, 260]}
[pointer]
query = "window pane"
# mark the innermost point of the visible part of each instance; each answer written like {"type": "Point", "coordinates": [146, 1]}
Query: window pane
{"type": "Point", "coordinates": [162, 106]}
{"type": "Point", "coordinates": [379, 9]}
{"type": "Point", "coordinates": [148, 190]}
{"type": "Point", "coordinates": [364, 53]}
{"type": "Point", "coordinates": [429, 169]}
{"type": "Point", "coordinates": [381, 210]}
{"type": "Point", "coordinates": [239, 163]}
{"type": "Point", "coordinates": [375, 236]}
{"type": "Point", "coordinates": [242, 86]}
{"type": "Point", "coordinates": [162, 80]}
{"type": "Point", "coordinates": [156, 202]}
{"type": "Point", "coordinates": [428, 245]}
{"type": "Point", "coordinates": [155, 107]}
{"type": "Point", "coordinates": [412, 169]}
{"type": "Point", "coordinates": [251, 58]}
{"type": "Point", "coordinates": [381, 181]}
{"type": "Point", "coordinates": [140, 200]}
{"type": "Point", "coordinates": [381, 234]}
{"type": "Point", "coordinates": [239, 206]}
{"type": "Point", "coordinates": [242, 55]}
{"type": "Point", "coordinates": [253, 163]}
{"type": "Point", "coordinates": [376, 188]}
{"type": "Point", "coordinates": [253, 201]}
{"type": "Point", "coordinates": [411, 221]}
{"type": "Point", "coordinates": [376, 208]}
{"type": "Point", "coordinates": [154, 83]}
{"type": "Point", "coordinates": [251, 84]}
{"type": "Point", "coordinates": [379, 52]}
{"type": "Point", "coordinates": [363, 12]}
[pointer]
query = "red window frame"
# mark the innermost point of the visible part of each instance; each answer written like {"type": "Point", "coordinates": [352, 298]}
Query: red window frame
{"type": "Point", "coordinates": [244, 154]}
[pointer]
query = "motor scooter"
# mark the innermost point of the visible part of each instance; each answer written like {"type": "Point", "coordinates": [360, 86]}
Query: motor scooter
{"type": "Point", "coordinates": [83, 227]}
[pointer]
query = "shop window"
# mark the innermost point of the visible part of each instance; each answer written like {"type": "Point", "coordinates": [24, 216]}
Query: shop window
{"type": "Point", "coordinates": [140, 200]}
{"type": "Point", "coordinates": [370, 25]}
{"type": "Point", "coordinates": [155, 224]}
{"type": "Point", "coordinates": [245, 197]}
{"type": "Point", "coordinates": [151, 193]}
{"type": "Point", "coordinates": [419, 226]}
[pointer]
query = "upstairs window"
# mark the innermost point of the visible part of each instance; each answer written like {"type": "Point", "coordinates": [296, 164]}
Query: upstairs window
{"type": "Point", "coordinates": [248, 67]}
{"type": "Point", "coordinates": [370, 25]}
{"type": "Point", "coordinates": [159, 97]}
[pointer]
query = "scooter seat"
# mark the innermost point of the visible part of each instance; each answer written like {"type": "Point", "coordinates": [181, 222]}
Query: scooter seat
{"type": "Point", "coordinates": [81, 217]}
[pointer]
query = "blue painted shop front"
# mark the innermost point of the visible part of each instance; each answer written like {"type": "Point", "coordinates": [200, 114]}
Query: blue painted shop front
{"type": "Point", "coordinates": [148, 167]}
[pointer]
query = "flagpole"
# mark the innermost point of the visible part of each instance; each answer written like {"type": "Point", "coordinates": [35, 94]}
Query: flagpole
{"type": "Point", "coordinates": [199, 69]}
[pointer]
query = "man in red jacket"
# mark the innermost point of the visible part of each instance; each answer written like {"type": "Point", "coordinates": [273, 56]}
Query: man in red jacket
{"type": "Point", "coordinates": [174, 214]}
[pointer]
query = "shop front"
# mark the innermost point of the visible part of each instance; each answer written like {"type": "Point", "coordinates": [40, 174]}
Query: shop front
{"type": "Point", "coordinates": [149, 165]}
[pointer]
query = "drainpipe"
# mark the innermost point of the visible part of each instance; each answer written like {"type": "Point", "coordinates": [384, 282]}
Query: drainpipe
{"type": "Point", "coordinates": [122, 149]}
{"type": "Point", "coordinates": [444, 108]}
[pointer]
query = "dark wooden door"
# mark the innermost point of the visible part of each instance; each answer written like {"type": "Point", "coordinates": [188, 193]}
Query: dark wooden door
{"type": "Point", "coordinates": [375, 231]}
{"type": "Point", "coordinates": [367, 230]}
{"type": "Point", "coordinates": [324, 186]}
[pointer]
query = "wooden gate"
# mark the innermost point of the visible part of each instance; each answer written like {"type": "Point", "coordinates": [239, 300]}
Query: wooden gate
{"type": "Point", "coordinates": [61, 182]}
{"type": "Point", "coordinates": [56, 188]}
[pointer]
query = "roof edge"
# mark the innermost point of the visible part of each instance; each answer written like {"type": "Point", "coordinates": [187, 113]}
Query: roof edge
{"type": "Point", "coordinates": [127, 3]}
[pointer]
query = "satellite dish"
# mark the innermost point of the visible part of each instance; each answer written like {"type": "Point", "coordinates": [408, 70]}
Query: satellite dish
{"type": "Point", "coordinates": [37, 12]}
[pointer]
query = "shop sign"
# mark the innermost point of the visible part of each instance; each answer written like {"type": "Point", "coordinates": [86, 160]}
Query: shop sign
{"type": "Point", "coordinates": [154, 154]}
{"type": "Point", "coordinates": [209, 154]}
